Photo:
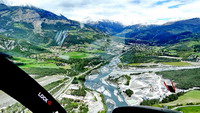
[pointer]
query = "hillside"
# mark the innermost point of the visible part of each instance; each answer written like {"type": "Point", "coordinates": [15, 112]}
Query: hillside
{"type": "Point", "coordinates": [187, 50]}
{"type": "Point", "coordinates": [169, 33]}
{"type": "Point", "coordinates": [160, 35]}
{"type": "Point", "coordinates": [107, 26]}
{"type": "Point", "coordinates": [19, 47]}
{"type": "Point", "coordinates": [41, 26]}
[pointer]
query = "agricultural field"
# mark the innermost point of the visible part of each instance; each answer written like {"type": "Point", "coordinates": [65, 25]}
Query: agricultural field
{"type": "Point", "coordinates": [176, 63]}
{"type": "Point", "coordinates": [191, 109]}
{"type": "Point", "coordinates": [134, 64]}
{"type": "Point", "coordinates": [41, 68]}
{"type": "Point", "coordinates": [185, 78]}
{"type": "Point", "coordinates": [182, 49]}
{"type": "Point", "coordinates": [78, 55]}
{"type": "Point", "coordinates": [189, 97]}
{"type": "Point", "coordinates": [24, 60]}
{"type": "Point", "coordinates": [53, 85]}
{"type": "Point", "coordinates": [96, 51]}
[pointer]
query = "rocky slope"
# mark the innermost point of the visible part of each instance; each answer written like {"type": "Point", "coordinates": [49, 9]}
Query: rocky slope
{"type": "Point", "coordinates": [40, 26]}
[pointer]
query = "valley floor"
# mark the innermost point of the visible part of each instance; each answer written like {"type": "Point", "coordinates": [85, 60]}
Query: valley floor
{"type": "Point", "coordinates": [144, 82]}
{"type": "Point", "coordinates": [140, 78]}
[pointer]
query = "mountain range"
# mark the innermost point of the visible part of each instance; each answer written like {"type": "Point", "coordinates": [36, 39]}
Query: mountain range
{"type": "Point", "coordinates": [107, 26]}
{"type": "Point", "coordinates": [40, 28]}
{"type": "Point", "coordinates": [36, 24]}
{"type": "Point", "coordinates": [168, 33]}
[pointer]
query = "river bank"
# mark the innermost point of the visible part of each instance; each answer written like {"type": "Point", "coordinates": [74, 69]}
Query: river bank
{"type": "Point", "coordinates": [144, 83]}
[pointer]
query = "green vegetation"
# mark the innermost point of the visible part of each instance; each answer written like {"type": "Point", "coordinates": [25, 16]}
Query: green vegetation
{"type": "Point", "coordinates": [172, 97]}
{"type": "Point", "coordinates": [189, 97]}
{"type": "Point", "coordinates": [21, 47]}
{"type": "Point", "coordinates": [24, 30]}
{"type": "Point", "coordinates": [80, 65]}
{"type": "Point", "coordinates": [104, 104]}
{"type": "Point", "coordinates": [78, 55]}
{"type": "Point", "coordinates": [128, 78]}
{"type": "Point", "coordinates": [80, 79]}
{"type": "Point", "coordinates": [126, 66]}
{"type": "Point", "coordinates": [57, 89]}
{"type": "Point", "coordinates": [136, 73]}
{"type": "Point", "coordinates": [24, 60]}
{"type": "Point", "coordinates": [41, 72]}
{"type": "Point", "coordinates": [174, 100]}
{"type": "Point", "coordinates": [112, 79]}
{"type": "Point", "coordinates": [15, 108]}
{"type": "Point", "coordinates": [115, 80]}
{"type": "Point", "coordinates": [83, 108]}
{"type": "Point", "coordinates": [191, 109]}
{"type": "Point", "coordinates": [135, 64]}
{"type": "Point", "coordinates": [186, 78]}
{"type": "Point", "coordinates": [53, 85]}
{"type": "Point", "coordinates": [157, 102]}
{"type": "Point", "coordinates": [75, 81]}
{"type": "Point", "coordinates": [103, 111]}
{"type": "Point", "coordinates": [129, 92]}
{"type": "Point", "coordinates": [84, 36]}
{"type": "Point", "coordinates": [20, 26]}
{"type": "Point", "coordinates": [40, 65]}
{"type": "Point", "coordinates": [144, 54]}
{"type": "Point", "coordinates": [45, 65]}
{"type": "Point", "coordinates": [96, 51]}
{"type": "Point", "coordinates": [146, 59]}
{"type": "Point", "coordinates": [176, 63]}
{"type": "Point", "coordinates": [79, 92]}
{"type": "Point", "coordinates": [74, 106]}
{"type": "Point", "coordinates": [183, 49]}
{"type": "Point", "coordinates": [150, 102]}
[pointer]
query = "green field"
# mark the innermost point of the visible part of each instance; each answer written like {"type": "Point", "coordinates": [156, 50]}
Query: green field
{"type": "Point", "coordinates": [41, 72]}
{"type": "Point", "coordinates": [40, 65]}
{"type": "Point", "coordinates": [134, 64]}
{"type": "Point", "coordinates": [21, 26]}
{"type": "Point", "coordinates": [176, 63]}
{"type": "Point", "coordinates": [24, 60]}
{"type": "Point", "coordinates": [78, 55]}
{"type": "Point", "coordinates": [53, 85]}
{"type": "Point", "coordinates": [33, 63]}
{"type": "Point", "coordinates": [189, 97]}
{"type": "Point", "coordinates": [183, 49]}
{"type": "Point", "coordinates": [184, 79]}
{"type": "Point", "coordinates": [192, 109]}
{"type": "Point", "coordinates": [96, 51]}
{"type": "Point", "coordinates": [45, 65]}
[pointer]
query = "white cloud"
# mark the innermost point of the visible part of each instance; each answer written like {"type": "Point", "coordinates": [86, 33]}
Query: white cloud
{"type": "Point", "coordinates": [125, 11]}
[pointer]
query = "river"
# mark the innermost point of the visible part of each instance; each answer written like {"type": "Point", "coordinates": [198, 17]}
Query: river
{"type": "Point", "coordinates": [112, 101]}
{"type": "Point", "coordinates": [96, 82]}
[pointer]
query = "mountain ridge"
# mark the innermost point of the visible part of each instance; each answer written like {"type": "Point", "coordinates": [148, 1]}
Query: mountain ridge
{"type": "Point", "coordinates": [168, 33]}
{"type": "Point", "coordinates": [36, 24]}
{"type": "Point", "coordinates": [44, 28]}
{"type": "Point", "coordinates": [107, 26]}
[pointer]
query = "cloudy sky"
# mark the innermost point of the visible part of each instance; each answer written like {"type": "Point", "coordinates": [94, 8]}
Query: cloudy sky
{"type": "Point", "coordinates": [125, 11]}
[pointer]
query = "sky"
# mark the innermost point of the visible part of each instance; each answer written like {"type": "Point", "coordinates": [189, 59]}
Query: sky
{"type": "Point", "coordinates": [128, 12]}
